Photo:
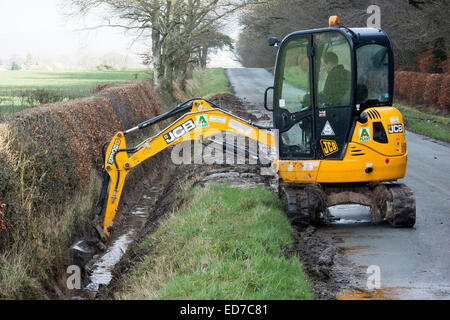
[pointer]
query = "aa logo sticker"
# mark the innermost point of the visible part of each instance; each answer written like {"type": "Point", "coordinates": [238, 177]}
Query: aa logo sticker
{"type": "Point", "coordinates": [364, 134]}
{"type": "Point", "coordinates": [328, 147]}
{"type": "Point", "coordinates": [202, 121]}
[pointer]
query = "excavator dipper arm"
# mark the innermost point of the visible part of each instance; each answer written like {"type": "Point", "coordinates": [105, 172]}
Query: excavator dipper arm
{"type": "Point", "coordinates": [201, 119]}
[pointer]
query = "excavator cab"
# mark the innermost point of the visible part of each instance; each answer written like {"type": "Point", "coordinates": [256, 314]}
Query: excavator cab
{"type": "Point", "coordinates": [324, 80]}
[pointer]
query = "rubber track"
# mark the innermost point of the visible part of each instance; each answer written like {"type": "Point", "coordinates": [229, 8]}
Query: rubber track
{"type": "Point", "coordinates": [403, 206]}
{"type": "Point", "coordinates": [302, 203]}
{"type": "Point", "coordinates": [305, 203]}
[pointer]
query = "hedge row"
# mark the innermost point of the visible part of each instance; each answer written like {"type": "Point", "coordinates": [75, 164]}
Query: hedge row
{"type": "Point", "coordinates": [50, 159]}
{"type": "Point", "coordinates": [57, 145]}
{"type": "Point", "coordinates": [419, 88]}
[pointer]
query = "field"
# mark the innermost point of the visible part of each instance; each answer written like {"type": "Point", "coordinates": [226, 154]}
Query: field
{"type": "Point", "coordinates": [24, 89]}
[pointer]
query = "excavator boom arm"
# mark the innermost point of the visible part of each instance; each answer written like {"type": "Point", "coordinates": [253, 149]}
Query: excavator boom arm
{"type": "Point", "coordinates": [204, 120]}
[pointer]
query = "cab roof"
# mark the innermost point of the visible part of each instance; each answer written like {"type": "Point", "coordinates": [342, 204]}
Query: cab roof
{"type": "Point", "coordinates": [370, 35]}
{"type": "Point", "coordinates": [357, 36]}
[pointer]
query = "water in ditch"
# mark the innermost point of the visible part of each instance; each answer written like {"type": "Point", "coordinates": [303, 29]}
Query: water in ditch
{"type": "Point", "coordinates": [99, 268]}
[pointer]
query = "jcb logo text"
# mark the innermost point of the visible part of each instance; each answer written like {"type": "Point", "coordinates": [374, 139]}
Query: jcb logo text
{"type": "Point", "coordinates": [182, 129]}
{"type": "Point", "coordinates": [328, 147]}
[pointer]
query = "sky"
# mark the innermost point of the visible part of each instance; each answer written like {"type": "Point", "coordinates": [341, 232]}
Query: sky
{"type": "Point", "coordinates": [43, 29]}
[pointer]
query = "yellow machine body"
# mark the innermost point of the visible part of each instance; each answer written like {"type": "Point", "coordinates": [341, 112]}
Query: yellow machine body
{"type": "Point", "coordinates": [364, 161]}
{"type": "Point", "coordinates": [387, 161]}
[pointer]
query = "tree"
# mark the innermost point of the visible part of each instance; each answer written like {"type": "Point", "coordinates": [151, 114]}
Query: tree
{"type": "Point", "coordinates": [211, 41]}
{"type": "Point", "coordinates": [15, 66]}
{"type": "Point", "coordinates": [178, 30]}
{"type": "Point", "coordinates": [29, 60]}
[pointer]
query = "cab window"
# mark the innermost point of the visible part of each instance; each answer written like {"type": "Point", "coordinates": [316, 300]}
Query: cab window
{"type": "Point", "coordinates": [333, 70]}
{"type": "Point", "coordinates": [294, 95]}
{"type": "Point", "coordinates": [373, 76]}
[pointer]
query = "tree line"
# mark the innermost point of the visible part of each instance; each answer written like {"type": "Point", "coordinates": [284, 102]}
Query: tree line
{"type": "Point", "coordinates": [183, 32]}
{"type": "Point", "coordinates": [414, 26]}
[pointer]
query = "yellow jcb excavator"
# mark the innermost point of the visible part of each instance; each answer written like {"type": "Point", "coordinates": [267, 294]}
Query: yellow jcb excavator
{"type": "Point", "coordinates": [338, 138]}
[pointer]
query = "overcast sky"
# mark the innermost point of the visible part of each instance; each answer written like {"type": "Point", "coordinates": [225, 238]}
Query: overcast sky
{"type": "Point", "coordinates": [42, 28]}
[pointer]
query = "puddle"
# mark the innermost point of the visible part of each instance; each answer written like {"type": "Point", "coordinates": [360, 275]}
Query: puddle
{"type": "Point", "coordinates": [99, 269]}
{"type": "Point", "coordinates": [101, 274]}
{"type": "Point", "coordinates": [82, 247]}
{"type": "Point", "coordinates": [350, 221]}
{"type": "Point", "coordinates": [350, 214]}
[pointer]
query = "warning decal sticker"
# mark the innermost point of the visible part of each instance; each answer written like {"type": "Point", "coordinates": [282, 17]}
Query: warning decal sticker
{"type": "Point", "coordinates": [202, 121]}
{"type": "Point", "coordinates": [327, 130]}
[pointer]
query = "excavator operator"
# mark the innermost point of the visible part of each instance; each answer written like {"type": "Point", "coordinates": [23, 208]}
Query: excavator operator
{"type": "Point", "coordinates": [336, 85]}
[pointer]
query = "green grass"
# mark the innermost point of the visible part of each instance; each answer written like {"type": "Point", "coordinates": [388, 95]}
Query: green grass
{"type": "Point", "coordinates": [432, 125]}
{"type": "Point", "coordinates": [228, 243]}
{"type": "Point", "coordinates": [206, 83]}
{"type": "Point", "coordinates": [77, 80]}
{"type": "Point", "coordinates": [296, 77]}
{"type": "Point", "coordinates": [18, 88]}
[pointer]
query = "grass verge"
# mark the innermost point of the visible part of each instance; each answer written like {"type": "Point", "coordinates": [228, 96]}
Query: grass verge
{"type": "Point", "coordinates": [431, 125]}
{"type": "Point", "coordinates": [206, 83]}
{"type": "Point", "coordinates": [227, 243]}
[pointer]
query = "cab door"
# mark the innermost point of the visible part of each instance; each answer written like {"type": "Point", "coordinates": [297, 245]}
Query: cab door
{"type": "Point", "coordinates": [332, 93]}
{"type": "Point", "coordinates": [293, 108]}
{"type": "Point", "coordinates": [313, 95]}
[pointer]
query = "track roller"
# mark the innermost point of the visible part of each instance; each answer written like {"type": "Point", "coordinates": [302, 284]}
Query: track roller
{"type": "Point", "coordinates": [399, 208]}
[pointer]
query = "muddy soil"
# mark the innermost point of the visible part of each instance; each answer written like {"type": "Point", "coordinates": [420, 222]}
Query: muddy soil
{"type": "Point", "coordinates": [235, 105]}
{"type": "Point", "coordinates": [325, 262]}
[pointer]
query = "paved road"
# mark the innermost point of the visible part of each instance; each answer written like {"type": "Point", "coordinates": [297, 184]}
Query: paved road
{"type": "Point", "coordinates": [414, 263]}
{"type": "Point", "coordinates": [249, 84]}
